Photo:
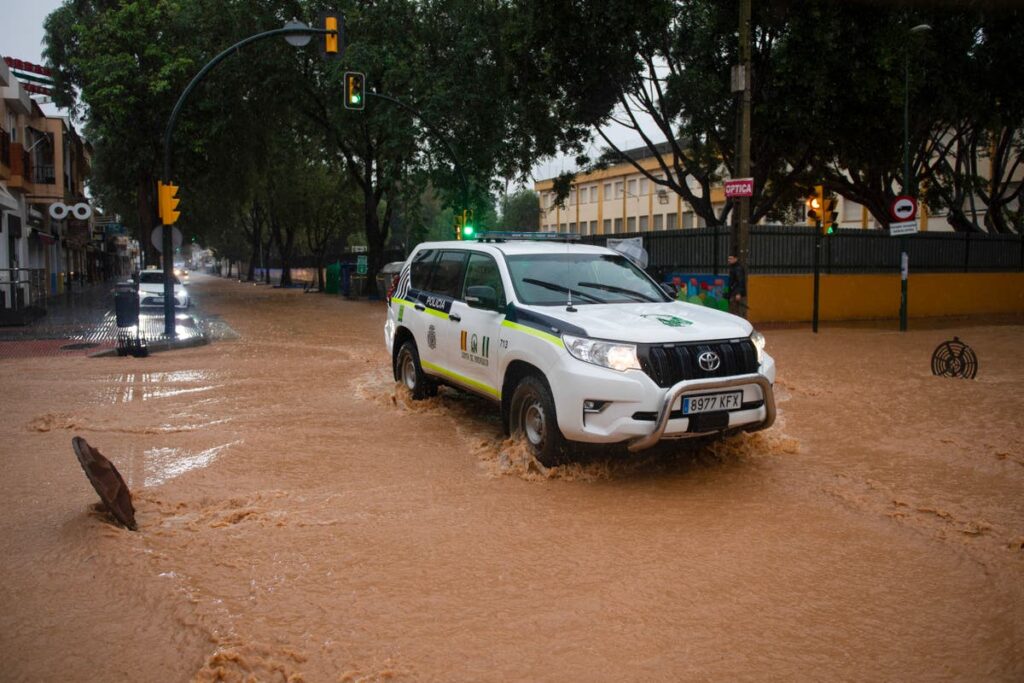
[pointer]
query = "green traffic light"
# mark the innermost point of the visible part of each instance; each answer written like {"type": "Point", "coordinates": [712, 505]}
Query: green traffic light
{"type": "Point", "coordinates": [354, 99]}
{"type": "Point", "coordinates": [468, 230]}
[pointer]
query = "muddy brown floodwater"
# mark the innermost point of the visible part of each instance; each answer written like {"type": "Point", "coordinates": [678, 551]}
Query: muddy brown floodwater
{"type": "Point", "coordinates": [301, 520]}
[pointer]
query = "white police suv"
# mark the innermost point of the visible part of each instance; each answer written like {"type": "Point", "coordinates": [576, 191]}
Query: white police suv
{"type": "Point", "coordinates": [574, 342]}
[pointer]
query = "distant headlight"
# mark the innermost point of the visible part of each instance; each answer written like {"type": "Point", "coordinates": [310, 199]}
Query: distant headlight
{"type": "Point", "coordinates": [614, 355]}
{"type": "Point", "coordinates": [758, 340]}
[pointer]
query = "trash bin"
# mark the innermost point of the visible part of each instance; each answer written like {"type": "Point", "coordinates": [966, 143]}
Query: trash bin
{"type": "Point", "coordinates": [126, 304]}
{"type": "Point", "coordinates": [346, 278]}
{"type": "Point", "coordinates": [333, 283]}
{"type": "Point", "coordinates": [358, 286]}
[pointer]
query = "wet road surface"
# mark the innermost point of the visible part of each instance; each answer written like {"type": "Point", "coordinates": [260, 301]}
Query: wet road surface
{"type": "Point", "coordinates": [302, 520]}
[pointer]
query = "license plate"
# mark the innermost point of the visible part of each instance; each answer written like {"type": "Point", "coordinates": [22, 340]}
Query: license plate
{"type": "Point", "coordinates": [708, 403]}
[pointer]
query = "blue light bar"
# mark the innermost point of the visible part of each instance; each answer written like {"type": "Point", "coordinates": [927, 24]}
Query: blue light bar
{"type": "Point", "coordinates": [503, 235]}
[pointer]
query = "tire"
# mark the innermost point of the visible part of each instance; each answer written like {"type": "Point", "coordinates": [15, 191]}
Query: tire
{"type": "Point", "coordinates": [410, 373]}
{"type": "Point", "coordinates": [532, 417]}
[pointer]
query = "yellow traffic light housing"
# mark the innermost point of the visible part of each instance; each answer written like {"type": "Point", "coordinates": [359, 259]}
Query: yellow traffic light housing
{"type": "Point", "coordinates": [468, 230]}
{"type": "Point", "coordinates": [167, 202]}
{"type": "Point", "coordinates": [815, 206]}
{"type": "Point", "coordinates": [829, 215]}
{"type": "Point", "coordinates": [331, 44]}
{"type": "Point", "coordinates": [355, 85]}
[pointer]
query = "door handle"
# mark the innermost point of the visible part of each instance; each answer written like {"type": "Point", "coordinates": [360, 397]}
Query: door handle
{"type": "Point", "coordinates": [420, 307]}
{"type": "Point", "coordinates": [455, 316]}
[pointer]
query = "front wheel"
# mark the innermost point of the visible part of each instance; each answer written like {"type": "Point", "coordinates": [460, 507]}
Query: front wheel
{"type": "Point", "coordinates": [411, 373]}
{"type": "Point", "coordinates": [532, 416]}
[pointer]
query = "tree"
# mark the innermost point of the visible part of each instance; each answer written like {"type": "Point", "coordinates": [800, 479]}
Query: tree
{"type": "Point", "coordinates": [520, 211]}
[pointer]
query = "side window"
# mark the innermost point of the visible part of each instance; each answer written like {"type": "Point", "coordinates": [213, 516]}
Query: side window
{"type": "Point", "coordinates": [482, 270]}
{"type": "Point", "coordinates": [419, 272]}
{"type": "Point", "coordinates": [448, 274]}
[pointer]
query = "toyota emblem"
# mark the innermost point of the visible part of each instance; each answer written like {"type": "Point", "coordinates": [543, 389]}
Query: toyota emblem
{"type": "Point", "coordinates": [709, 361]}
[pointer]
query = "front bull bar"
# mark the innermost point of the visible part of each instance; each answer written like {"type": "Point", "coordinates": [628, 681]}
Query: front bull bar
{"type": "Point", "coordinates": [690, 385]}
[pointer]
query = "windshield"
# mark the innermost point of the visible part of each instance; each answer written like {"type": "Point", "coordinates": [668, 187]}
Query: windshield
{"type": "Point", "coordinates": [549, 279]}
{"type": "Point", "coordinates": [154, 278]}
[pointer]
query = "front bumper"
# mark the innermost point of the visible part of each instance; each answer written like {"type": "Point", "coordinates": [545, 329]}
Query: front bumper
{"type": "Point", "coordinates": [635, 410]}
{"type": "Point", "coordinates": [692, 385]}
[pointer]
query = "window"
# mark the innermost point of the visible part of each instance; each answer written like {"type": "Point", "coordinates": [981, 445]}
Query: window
{"type": "Point", "coordinates": [448, 273]}
{"type": "Point", "coordinates": [482, 271]}
{"type": "Point", "coordinates": [643, 186]}
{"type": "Point", "coordinates": [607, 228]}
{"type": "Point", "coordinates": [631, 224]}
{"type": "Point", "coordinates": [593, 194]}
{"type": "Point", "coordinates": [618, 225]}
{"type": "Point", "coordinates": [607, 191]}
{"type": "Point", "coordinates": [632, 187]}
{"type": "Point", "coordinates": [659, 222]}
{"type": "Point", "coordinates": [618, 190]}
{"type": "Point", "coordinates": [687, 219]}
{"type": "Point", "coordinates": [542, 279]}
{"type": "Point", "coordinates": [419, 272]}
{"type": "Point", "coordinates": [593, 228]}
{"type": "Point", "coordinates": [643, 223]}
{"type": "Point", "coordinates": [670, 221]}
{"type": "Point", "coordinates": [572, 227]}
{"type": "Point", "coordinates": [561, 228]}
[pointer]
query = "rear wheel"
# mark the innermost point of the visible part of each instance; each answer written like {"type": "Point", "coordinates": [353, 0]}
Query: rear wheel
{"type": "Point", "coordinates": [410, 373]}
{"type": "Point", "coordinates": [532, 417]}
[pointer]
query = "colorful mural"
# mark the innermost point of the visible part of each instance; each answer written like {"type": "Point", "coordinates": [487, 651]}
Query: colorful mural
{"type": "Point", "coordinates": [704, 290]}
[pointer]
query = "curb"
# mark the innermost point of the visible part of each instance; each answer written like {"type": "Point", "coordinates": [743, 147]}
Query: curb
{"type": "Point", "coordinates": [157, 347]}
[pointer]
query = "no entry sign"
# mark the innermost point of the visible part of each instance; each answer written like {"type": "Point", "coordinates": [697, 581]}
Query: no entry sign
{"type": "Point", "coordinates": [903, 208]}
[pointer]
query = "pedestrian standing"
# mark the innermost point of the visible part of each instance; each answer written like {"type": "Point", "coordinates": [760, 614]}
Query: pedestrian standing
{"type": "Point", "coordinates": [737, 287]}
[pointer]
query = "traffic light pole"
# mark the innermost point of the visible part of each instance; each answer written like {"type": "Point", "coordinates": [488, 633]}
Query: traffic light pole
{"type": "Point", "coordinates": [168, 243]}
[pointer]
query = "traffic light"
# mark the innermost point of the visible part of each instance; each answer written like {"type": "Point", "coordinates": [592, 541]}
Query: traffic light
{"type": "Point", "coordinates": [816, 206]}
{"type": "Point", "coordinates": [332, 46]}
{"type": "Point", "coordinates": [167, 202]}
{"type": "Point", "coordinates": [829, 215]}
{"type": "Point", "coordinates": [355, 83]}
{"type": "Point", "coordinates": [468, 229]}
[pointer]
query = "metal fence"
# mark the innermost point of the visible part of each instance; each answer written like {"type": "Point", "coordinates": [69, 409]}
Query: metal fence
{"type": "Point", "coordinates": [790, 249]}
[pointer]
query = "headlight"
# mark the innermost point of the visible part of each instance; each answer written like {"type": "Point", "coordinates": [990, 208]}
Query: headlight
{"type": "Point", "coordinates": [758, 340]}
{"type": "Point", "coordinates": [616, 356]}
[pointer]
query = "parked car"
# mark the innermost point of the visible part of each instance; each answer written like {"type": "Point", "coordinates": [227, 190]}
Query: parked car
{"type": "Point", "coordinates": [151, 290]}
{"type": "Point", "coordinates": [573, 343]}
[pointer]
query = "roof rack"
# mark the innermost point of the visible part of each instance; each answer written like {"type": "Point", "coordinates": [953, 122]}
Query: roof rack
{"type": "Point", "coordinates": [505, 235]}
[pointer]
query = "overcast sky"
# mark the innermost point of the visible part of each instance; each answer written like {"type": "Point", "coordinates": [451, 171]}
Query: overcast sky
{"type": "Point", "coordinates": [21, 37]}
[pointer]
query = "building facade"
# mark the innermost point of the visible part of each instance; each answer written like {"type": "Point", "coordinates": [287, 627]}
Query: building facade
{"type": "Point", "coordinates": [620, 199]}
{"type": "Point", "coordinates": [45, 246]}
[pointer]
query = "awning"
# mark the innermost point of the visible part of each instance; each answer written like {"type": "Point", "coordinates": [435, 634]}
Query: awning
{"type": "Point", "coordinates": [7, 200]}
{"type": "Point", "coordinates": [44, 237]}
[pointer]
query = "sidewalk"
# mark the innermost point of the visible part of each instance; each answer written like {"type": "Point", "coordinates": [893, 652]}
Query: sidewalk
{"type": "Point", "coordinates": [82, 323]}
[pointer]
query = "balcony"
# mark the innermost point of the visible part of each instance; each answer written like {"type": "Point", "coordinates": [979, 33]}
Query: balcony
{"type": "Point", "coordinates": [5, 154]}
{"type": "Point", "coordinates": [42, 174]}
{"type": "Point", "coordinates": [21, 168]}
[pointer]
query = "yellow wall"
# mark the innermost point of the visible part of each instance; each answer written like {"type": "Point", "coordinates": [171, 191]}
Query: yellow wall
{"type": "Point", "coordinates": [781, 298]}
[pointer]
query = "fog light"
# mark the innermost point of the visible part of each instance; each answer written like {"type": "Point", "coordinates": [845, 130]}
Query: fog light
{"type": "Point", "coordinates": [591, 406]}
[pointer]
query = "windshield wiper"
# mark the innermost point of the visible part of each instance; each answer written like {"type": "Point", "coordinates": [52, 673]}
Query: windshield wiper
{"type": "Point", "coordinates": [636, 296]}
{"type": "Point", "coordinates": [562, 288]}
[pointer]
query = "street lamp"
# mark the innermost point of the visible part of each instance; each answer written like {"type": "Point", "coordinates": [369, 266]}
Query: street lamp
{"type": "Point", "coordinates": [904, 260]}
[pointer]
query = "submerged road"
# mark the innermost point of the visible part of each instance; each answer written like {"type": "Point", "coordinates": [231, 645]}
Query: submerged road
{"type": "Point", "coordinates": [301, 520]}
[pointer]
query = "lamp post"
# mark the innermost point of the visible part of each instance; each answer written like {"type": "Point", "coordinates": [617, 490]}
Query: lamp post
{"type": "Point", "coordinates": [907, 183]}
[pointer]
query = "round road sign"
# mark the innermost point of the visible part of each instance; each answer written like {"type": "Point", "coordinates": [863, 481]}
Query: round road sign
{"type": "Point", "coordinates": [903, 208]}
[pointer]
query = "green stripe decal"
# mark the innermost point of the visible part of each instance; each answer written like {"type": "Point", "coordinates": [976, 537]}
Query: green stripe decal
{"type": "Point", "coordinates": [535, 332]}
{"type": "Point", "coordinates": [459, 378]}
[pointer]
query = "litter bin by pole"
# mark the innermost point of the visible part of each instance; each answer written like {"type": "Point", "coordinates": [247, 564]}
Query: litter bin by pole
{"type": "Point", "coordinates": [126, 304]}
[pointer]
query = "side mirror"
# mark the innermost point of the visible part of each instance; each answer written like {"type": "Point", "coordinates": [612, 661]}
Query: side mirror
{"type": "Point", "coordinates": [669, 289]}
{"type": "Point", "coordinates": [482, 296]}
